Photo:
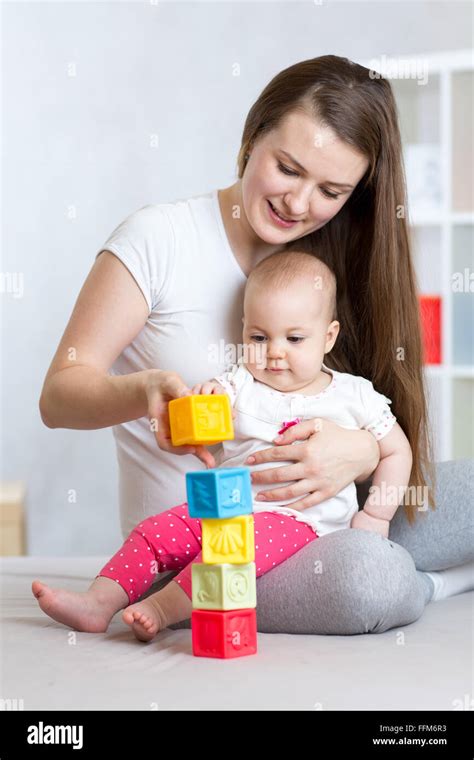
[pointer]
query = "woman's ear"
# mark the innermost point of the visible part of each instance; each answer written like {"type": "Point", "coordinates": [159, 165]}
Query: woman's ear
{"type": "Point", "coordinates": [331, 335]}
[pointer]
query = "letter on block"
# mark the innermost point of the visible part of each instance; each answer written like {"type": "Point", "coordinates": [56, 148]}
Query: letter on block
{"type": "Point", "coordinates": [230, 541]}
{"type": "Point", "coordinates": [200, 419]}
{"type": "Point", "coordinates": [224, 587]}
{"type": "Point", "coordinates": [221, 492]}
{"type": "Point", "coordinates": [224, 634]}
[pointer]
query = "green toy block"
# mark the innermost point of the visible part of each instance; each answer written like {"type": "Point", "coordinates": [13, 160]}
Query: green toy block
{"type": "Point", "coordinates": [224, 586]}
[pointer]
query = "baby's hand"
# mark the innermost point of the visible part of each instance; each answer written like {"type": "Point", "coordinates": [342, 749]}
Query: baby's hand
{"type": "Point", "coordinates": [210, 387]}
{"type": "Point", "coordinates": [207, 388]}
{"type": "Point", "coordinates": [363, 521]}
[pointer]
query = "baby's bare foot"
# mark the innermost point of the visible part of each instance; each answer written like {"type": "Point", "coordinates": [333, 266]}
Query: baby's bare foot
{"type": "Point", "coordinates": [88, 611]}
{"type": "Point", "coordinates": [145, 619]}
{"type": "Point", "coordinates": [158, 611]}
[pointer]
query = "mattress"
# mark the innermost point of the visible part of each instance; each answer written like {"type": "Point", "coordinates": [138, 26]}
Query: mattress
{"type": "Point", "coordinates": [426, 665]}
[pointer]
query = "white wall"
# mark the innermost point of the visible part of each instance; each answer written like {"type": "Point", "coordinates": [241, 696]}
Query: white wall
{"type": "Point", "coordinates": [83, 143]}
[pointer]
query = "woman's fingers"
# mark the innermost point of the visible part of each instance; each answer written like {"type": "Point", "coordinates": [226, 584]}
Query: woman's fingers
{"type": "Point", "coordinates": [291, 490]}
{"type": "Point", "coordinates": [276, 454]}
{"type": "Point", "coordinates": [300, 432]}
{"type": "Point", "coordinates": [284, 449]}
{"type": "Point", "coordinates": [163, 387]}
{"type": "Point", "coordinates": [173, 386]}
{"type": "Point", "coordinates": [309, 501]}
{"type": "Point", "coordinates": [205, 456]}
{"type": "Point", "coordinates": [159, 421]}
{"type": "Point", "coordinates": [161, 427]}
{"type": "Point", "coordinates": [166, 445]}
{"type": "Point", "coordinates": [281, 474]}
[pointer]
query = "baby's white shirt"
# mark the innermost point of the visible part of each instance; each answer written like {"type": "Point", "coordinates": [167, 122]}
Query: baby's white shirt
{"type": "Point", "coordinates": [349, 400]}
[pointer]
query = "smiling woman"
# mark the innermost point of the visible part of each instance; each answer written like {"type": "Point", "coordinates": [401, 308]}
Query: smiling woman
{"type": "Point", "coordinates": [320, 170]}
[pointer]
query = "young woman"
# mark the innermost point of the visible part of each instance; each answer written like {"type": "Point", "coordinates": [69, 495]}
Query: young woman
{"type": "Point", "coordinates": [320, 163]}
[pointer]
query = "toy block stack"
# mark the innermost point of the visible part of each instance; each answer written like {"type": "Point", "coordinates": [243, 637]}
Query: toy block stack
{"type": "Point", "coordinates": [223, 622]}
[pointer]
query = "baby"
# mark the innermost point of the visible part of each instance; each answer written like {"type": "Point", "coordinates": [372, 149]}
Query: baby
{"type": "Point", "coordinates": [288, 326]}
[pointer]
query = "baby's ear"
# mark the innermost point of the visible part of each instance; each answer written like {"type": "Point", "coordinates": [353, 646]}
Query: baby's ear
{"type": "Point", "coordinates": [331, 335]}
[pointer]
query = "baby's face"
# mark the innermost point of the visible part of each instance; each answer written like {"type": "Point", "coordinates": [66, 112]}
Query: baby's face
{"type": "Point", "coordinates": [286, 333]}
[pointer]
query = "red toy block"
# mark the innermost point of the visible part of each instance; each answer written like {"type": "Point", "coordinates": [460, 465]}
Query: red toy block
{"type": "Point", "coordinates": [430, 310]}
{"type": "Point", "coordinates": [230, 633]}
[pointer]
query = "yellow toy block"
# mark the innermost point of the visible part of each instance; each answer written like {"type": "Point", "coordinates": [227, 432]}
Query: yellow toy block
{"type": "Point", "coordinates": [200, 419]}
{"type": "Point", "coordinates": [230, 540]}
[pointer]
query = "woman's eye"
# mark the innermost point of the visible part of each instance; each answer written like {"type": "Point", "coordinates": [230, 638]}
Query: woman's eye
{"type": "Point", "coordinates": [286, 170]}
{"type": "Point", "coordinates": [295, 339]}
{"type": "Point", "coordinates": [325, 192]}
{"type": "Point", "coordinates": [291, 173]}
{"type": "Point", "coordinates": [258, 338]}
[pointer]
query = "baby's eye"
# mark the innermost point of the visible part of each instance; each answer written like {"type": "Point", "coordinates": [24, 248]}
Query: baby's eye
{"type": "Point", "coordinates": [258, 338]}
{"type": "Point", "coordinates": [295, 339]}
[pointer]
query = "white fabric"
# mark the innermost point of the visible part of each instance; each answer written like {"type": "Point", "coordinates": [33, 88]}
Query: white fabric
{"type": "Point", "coordinates": [181, 259]}
{"type": "Point", "coordinates": [454, 580]}
{"type": "Point", "coordinates": [350, 401]}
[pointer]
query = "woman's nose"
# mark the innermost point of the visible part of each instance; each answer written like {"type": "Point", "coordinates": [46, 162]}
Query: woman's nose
{"type": "Point", "coordinates": [297, 202]}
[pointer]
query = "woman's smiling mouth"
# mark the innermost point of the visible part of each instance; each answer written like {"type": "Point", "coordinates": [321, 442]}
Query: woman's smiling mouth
{"type": "Point", "coordinates": [281, 221]}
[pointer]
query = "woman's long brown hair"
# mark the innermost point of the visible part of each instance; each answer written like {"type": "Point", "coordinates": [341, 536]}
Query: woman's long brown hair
{"type": "Point", "coordinates": [367, 243]}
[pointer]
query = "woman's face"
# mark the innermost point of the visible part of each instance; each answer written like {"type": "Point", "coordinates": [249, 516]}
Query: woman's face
{"type": "Point", "coordinates": [304, 172]}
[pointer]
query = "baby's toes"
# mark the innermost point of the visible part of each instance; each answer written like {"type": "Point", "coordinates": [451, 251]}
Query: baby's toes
{"type": "Point", "coordinates": [128, 616]}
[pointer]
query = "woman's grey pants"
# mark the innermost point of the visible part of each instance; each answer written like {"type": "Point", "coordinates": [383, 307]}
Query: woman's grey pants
{"type": "Point", "coordinates": [353, 581]}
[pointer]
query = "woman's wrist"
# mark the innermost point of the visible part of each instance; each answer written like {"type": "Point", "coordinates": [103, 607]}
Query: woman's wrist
{"type": "Point", "coordinates": [131, 392]}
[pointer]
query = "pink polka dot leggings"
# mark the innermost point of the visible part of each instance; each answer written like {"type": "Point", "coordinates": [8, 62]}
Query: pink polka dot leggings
{"type": "Point", "coordinates": [171, 540]}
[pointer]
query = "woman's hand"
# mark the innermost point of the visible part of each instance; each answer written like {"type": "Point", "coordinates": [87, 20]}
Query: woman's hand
{"type": "Point", "coordinates": [330, 458]}
{"type": "Point", "coordinates": [160, 388]}
{"type": "Point", "coordinates": [363, 521]}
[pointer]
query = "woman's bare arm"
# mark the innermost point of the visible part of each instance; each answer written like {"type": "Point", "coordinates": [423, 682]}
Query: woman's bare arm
{"type": "Point", "coordinates": [77, 392]}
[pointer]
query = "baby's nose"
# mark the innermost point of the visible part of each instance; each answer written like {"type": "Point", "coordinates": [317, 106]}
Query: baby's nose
{"type": "Point", "coordinates": [276, 351]}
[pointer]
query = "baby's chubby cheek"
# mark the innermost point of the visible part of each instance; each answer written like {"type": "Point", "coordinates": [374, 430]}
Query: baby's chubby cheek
{"type": "Point", "coordinates": [254, 370]}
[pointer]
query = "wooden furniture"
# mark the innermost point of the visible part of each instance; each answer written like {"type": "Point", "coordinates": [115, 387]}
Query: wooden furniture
{"type": "Point", "coordinates": [12, 519]}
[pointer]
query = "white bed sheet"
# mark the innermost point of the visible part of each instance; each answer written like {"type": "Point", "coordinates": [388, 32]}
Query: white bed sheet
{"type": "Point", "coordinates": [426, 665]}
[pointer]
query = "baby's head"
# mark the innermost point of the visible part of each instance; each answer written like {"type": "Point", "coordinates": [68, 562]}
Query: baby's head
{"type": "Point", "coordinates": [289, 319]}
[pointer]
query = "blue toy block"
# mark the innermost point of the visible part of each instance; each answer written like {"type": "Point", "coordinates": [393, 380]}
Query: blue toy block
{"type": "Point", "coordinates": [219, 493]}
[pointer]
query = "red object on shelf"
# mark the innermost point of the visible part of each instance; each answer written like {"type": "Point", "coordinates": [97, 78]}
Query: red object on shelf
{"type": "Point", "coordinates": [230, 633]}
{"type": "Point", "coordinates": [430, 311]}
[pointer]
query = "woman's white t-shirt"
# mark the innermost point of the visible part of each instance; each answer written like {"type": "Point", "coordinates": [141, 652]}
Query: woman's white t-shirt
{"type": "Point", "coordinates": [181, 259]}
